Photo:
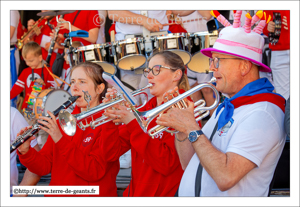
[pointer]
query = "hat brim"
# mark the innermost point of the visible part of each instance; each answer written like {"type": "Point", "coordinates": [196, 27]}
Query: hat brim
{"type": "Point", "coordinates": [207, 52]}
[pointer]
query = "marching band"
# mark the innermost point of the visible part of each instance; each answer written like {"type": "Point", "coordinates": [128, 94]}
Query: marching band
{"type": "Point", "coordinates": [88, 103]}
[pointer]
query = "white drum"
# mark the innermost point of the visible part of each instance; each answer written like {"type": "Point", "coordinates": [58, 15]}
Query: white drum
{"type": "Point", "coordinates": [175, 42]}
{"type": "Point", "coordinates": [130, 53]}
{"type": "Point", "coordinates": [102, 54]}
{"type": "Point", "coordinates": [197, 41]}
{"type": "Point", "coordinates": [49, 99]}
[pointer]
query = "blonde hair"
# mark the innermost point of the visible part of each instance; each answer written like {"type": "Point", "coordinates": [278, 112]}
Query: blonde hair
{"type": "Point", "coordinates": [174, 61]}
{"type": "Point", "coordinates": [33, 47]}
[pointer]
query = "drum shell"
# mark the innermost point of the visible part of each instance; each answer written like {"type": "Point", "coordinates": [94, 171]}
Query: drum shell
{"type": "Point", "coordinates": [49, 99]}
{"type": "Point", "coordinates": [198, 41]}
{"type": "Point", "coordinates": [175, 42]}
{"type": "Point", "coordinates": [130, 53]}
{"type": "Point", "coordinates": [101, 54]}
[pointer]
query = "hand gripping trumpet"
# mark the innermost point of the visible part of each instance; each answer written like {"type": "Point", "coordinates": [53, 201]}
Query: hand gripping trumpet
{"type": "Point", "coordinates": [35, 127]}
{"type": "Point", "coordinates": [68, 121]}
{"type": "Point", "coordinates": [200, 111]}
{"type": "Point", "coordinates": [34, 31]}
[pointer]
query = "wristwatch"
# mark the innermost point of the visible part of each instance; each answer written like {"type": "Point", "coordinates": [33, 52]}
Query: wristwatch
{"type": "Point", "coordinates": [194, 135]}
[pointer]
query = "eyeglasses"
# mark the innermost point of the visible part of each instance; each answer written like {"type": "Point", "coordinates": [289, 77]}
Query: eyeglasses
{"type": "Point", "coordinates": [216, 61]}
{"type": "Point", "coordinates": [156, 70]}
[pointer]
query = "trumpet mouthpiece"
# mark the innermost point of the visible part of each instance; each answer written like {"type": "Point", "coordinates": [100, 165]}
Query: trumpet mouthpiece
{"type": "Point", "coordinates": [213, 80]}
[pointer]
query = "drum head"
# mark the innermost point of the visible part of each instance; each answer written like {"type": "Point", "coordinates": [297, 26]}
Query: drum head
{"type": "Point", "coordinates": [107, 67]}
{"type": "Point", "coordinates": [55, 99]}
{"type": "Point", "coordinates": [131, 62]}
{"type": "Point", "coordinates": [199, 63]}
{"type": "Point", "coordinates": [185, 56]}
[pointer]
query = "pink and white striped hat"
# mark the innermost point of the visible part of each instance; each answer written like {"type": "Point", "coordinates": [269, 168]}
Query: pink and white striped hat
{"type": "Point", "coordinates": [241, 42]}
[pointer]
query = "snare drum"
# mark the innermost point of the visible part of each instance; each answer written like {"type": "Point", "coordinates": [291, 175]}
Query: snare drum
{"type": "Point", "coordinates": [98, 53]}
{"type": "Point", "coordinates": [130, 53]}
{"type": "Point", "coordinates": [49, 99]}
{"type": "Point", "coordinates": [175, 42]}
{"type": "Point", "coordinates": [197, 41]}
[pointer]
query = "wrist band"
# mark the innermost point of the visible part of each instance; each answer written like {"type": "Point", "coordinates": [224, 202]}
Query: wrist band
{"type": "Point", "coordinates": [179, 139]}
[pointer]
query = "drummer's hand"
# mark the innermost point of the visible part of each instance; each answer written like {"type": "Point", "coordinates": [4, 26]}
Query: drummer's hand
{"type": "Point", "coordinates": [40, 81]}
{"type": "Point", "coordinates": [153, 25]}
{"type": "Point", "coordinates": [271, 26]}
{"type": "Point", "coordinates": [63, 25]}
{"type": "Point", "coordinates": [23, 149]}
{"type": "Point", "coordinates": [51, 126]}
{"type": "Point", "coordinates": [30, 23]}
{"type": "Point", "coordinates": [120, 114]}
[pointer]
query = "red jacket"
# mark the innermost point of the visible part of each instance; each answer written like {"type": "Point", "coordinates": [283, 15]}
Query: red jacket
{"type": "Point", "coordinates": [46, 30]}
{"type": "Point", "coordinates": [85, 20]}
{"type": "Point", "coordinates": [24, 81]}
{"type": "Point", "coordinates": [284, 38]}
{"type": "Point", "coordinates": [75, 160]}
{"type": "Point", "coordinates": [156, 170]}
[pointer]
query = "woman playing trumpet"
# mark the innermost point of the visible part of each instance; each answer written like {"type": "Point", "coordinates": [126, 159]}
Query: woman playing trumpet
{"type": "Point", "coordinates": [75, 160]}
{"type": "Point", "coordinates": [156, 168]}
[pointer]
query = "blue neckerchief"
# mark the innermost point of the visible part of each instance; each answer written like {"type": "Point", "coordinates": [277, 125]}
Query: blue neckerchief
{"type": "Point", "coordinates": [261, 85]}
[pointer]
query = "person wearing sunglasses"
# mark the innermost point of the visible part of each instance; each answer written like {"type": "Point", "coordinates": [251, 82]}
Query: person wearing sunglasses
{"type": "Point", "coordinates": [156, 169]}
{"type": "Point", "coordinates": [236, 152]}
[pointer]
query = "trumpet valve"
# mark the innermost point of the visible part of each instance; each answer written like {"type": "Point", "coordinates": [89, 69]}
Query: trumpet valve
{"type": "Point", "coordinates": [82, 126]}
{"type": "Point", "coordinates": [155, 130]}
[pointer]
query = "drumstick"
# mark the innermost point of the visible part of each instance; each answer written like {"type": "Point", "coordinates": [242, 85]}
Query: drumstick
{"type": "Point", "coordinates": [112, 36]}
{"type": "Point", "coordinates": [56, 77]}
{"type": "Point", "coordinates": [186, 21]}
{"type": "Point", "coordinates": [112, 39]}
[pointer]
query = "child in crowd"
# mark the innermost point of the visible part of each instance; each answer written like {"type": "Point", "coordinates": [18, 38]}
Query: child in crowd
{"type": "Point", "coordinates": [32, 54]}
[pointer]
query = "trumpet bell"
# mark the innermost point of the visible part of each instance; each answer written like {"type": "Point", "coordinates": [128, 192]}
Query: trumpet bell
{"type": "Point", "coordinates": [67, 122]}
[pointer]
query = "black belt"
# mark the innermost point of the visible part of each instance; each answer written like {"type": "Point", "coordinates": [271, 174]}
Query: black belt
{"type": "Point", "coordinates": [12, 46]}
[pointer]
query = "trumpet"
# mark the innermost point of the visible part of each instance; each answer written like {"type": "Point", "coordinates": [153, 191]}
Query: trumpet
{"type": "Point", "coordinates": [68, 121]}
{"type": "Point", "coordinates": [200, 111]}
{"type": "Point", "coordinates": [35, 127]}
{"type": "Point", "coordinates": [35, 30]}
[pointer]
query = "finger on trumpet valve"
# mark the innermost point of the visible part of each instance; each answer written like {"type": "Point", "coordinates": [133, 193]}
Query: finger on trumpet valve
{"type": "Point", "coordinates": [184, 103]}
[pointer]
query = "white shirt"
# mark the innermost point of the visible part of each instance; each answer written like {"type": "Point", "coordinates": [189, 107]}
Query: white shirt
{"type": "Point", "coordinates": [197, 25]}
{"type": "Point", "coordinates": [101, 33]}
{"type": "Point", "coordinates": [124, 29]}
{"type": "Point", "coordinates": [14, 21]}
{"type": "Point", "coordinates": [17, 123]}
{"type": "Point", "coordinates": [257, 134]}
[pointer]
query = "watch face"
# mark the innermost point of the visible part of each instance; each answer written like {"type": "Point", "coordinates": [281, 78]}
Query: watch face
{"type": "Point", "coordinates": [193, 136]}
